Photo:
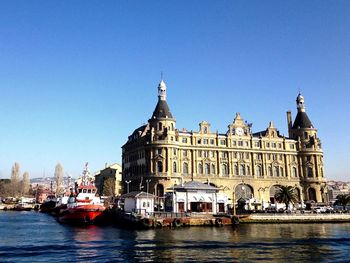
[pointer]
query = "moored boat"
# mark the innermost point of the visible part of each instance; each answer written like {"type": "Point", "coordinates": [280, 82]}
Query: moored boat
{"type": "Point", "coordinates": [84, 207]}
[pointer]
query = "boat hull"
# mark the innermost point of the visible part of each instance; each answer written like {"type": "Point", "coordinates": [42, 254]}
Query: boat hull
{"type": "Point", "coordinates": [86, 214]}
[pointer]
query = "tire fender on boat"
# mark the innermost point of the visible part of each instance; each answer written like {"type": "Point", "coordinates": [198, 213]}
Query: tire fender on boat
{"type": "Point", "coordinates": [218, 222]}
{"type": "Point", "coordinates": [177, 222]}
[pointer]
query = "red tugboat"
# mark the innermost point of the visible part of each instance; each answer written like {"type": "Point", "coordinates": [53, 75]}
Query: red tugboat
{"type": "Point", "coordinates": [85, 207]}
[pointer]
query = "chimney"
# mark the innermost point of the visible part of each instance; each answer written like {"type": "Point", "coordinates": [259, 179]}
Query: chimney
{"type": "Point", "coordinates": [289, 121]}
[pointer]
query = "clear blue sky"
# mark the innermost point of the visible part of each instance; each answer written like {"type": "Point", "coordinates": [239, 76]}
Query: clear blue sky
{"type": "Point", "coordinates": [77, 77]}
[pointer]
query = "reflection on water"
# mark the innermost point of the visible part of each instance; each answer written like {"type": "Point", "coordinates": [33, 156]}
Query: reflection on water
{"type": "Point", "coordinates": [41, 238]}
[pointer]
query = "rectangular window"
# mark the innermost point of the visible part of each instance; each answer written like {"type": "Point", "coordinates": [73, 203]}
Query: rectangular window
{"type": "Point", "coordinates": [234, 143]}
{"type": "Point", "coordinates": [212, 141]}
{"type": "Point", "coordinates": [291, 146]}
{"type": "Point", "coordinates": [273, 145]}
{"type": "Point", "coordinates": [280, 145]}
{"type": "Point", "coordinates": [240, 143]}
{"type": "Point", "coordinates": [184, 153]}
{"type": "Point", "coordinates": [184, 140]}
{"type": "Point", "coordinates": [257, 144]}
{"type": "Point", "coordinates": [199, 141]}
{"type": "Point", "coordinates": [222, 142]}
{"type": "Point", "coordinates": [205, 141]}
{"type": "Point", "coordinates": [246, 143]}
{"type": "Point", "coordinates": [267, 144]}
{"type": "Point", "coordinates": [159, 151]}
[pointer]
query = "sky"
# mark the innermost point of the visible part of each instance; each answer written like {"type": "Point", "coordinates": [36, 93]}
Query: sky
{"type": "Point", "coordinates": [77, 77]}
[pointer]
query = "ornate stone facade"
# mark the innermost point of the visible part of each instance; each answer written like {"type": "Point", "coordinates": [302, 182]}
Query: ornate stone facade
{"type": "Point", "coordinates": [241, 163]}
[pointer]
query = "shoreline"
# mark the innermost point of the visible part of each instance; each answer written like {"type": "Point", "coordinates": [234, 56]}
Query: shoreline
{"type": "Point", "coordinates": [294, 218]}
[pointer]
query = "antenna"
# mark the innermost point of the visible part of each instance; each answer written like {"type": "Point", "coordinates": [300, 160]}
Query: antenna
{"type": "Point", "coordinates": [161, 75]}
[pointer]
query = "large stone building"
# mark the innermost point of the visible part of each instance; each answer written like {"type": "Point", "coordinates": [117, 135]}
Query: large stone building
{"type": "Point", "coordinates": [242, 163]}
{"type": "Point", "coordinates": [108, 180]}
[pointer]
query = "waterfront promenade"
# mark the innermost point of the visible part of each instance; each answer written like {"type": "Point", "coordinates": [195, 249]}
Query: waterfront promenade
{"type": "Point", "coordinates": [295, 218]}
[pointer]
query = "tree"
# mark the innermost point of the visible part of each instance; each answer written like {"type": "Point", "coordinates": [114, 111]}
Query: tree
{"type": "Point", "coordinates": [25, 183]}
{"type": "Point", "coordinates": [108, 187]}
{"type": "Point", "coordinates": [5, 187]}
{"type": "Point", "coordinates": [58, 177]}
{"type": "Point", "coordinates": [343, 200]}
{"type": "Point", "coordinates": [286, 195]}
{"type": "Point", "coordinates": [15, 179]}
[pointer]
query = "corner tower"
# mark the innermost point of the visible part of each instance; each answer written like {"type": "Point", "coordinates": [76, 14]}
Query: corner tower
{"type": "Point", "coordinates": [310, 153]}
{"type": "Point", "coordinates": [162, 123]}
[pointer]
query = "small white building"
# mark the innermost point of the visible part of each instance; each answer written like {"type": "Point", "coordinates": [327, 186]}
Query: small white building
{"type": "Point", "coordinates": [138, 202]}
{"type": "Point", "coordinates": [196, 197]}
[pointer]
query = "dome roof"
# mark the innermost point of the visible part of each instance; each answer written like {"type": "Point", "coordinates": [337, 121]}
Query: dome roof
{"type": "Point", "coordinates": [302, 121]}
{"type": "Point", "coordinates": [162, 110]}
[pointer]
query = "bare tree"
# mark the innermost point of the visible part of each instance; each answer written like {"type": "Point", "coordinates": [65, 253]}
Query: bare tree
{"type": "Point", "coordinates": [58, 177]}
{"type": "Point", "coordinates": [25, 183]}
{"type": "Point", "coordinates": [108, 187]}
{"type": "Point", "coordinates": [15, 179]}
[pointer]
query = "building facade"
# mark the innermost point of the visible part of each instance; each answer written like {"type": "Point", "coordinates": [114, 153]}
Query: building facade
{"type": "Point", "coordinates": [242, 163]}
{"type": "Point", "coordinates": [108, 180]}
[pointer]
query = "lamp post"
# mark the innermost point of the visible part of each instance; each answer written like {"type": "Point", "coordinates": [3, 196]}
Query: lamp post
{"type": "Point", "coordinates": [147, 182]}
{"type": "Point", "coordinates": [234, 202]}
{"type": "Point", "coordinates": [127, 185]}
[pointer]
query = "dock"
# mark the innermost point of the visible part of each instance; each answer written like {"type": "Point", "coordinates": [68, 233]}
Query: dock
{"type": "Point", "coordinates": [174, 220]}
{"type": "Point", "coordinates": [295, 218]}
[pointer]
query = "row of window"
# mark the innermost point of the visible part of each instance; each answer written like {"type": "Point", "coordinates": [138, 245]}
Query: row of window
{"type": "Point", "coordinates": [240, 170]}
{"type": "Point", "coordinates": [240, 143]}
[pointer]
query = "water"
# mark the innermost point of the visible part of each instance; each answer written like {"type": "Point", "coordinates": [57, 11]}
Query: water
{"type": "Point", "coordinates": [36, 237]}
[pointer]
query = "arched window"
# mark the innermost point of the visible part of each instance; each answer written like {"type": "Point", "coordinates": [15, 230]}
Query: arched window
{"type": "Point", "coordinates": [160, 190]}
{"type": "Point", "coordinates": [281, 171]}
{"type": "Point", "coordinates": [200, 168]}
{"type": "Point", "coordinates": [160, 126]}
{"type": "Point", "coordinates": [294, 172]}
{"type": "Point", "coordinates": [185, 168]}
{"type": "Point", "coordinates": [206, 168]}
{"type": "Point", "coordinates": [174, 167]}
{"type": "Point", "coordinates": [258, 171]}
{"type": "Point", "coordinates": [213, 169]}
{"type": "Point", "coordinates": [312, 194]}
{"type": "Point", "coordinates": [236, 170]}
{"type": "Point", "coordinates": [224, 170]}
{"type": "Point", "coordinates": [270, 170]}
{"type": "Point", "coordinates": [310, 172]}
{"type": "Point", "coordinates": [275, 171]}
{"type": "Point", "coordinates": [248, 170]}
{"type": "Point", "coordinates": [159, 166]}
{"type": "Point", "coordinates": [241, 169]}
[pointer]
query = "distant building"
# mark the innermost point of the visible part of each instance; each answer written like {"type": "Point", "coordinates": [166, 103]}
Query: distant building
{"type": "Point", "coordinates": [239, 162]}
{"type": "Point", "coordinates": [112, 172]}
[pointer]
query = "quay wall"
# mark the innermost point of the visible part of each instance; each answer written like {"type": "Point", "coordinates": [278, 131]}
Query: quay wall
{"type": "Point", "coordinates": [295, 218]}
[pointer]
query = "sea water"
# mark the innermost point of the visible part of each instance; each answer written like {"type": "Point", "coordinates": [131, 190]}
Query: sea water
{"type": "Point", "coordinates": [37, 237]}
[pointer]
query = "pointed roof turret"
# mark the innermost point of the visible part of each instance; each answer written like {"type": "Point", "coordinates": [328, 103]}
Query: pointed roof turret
{"type": "Point", "coordinates": [162, 109]}
{"type": "Point", "coordinates": [301, 120]}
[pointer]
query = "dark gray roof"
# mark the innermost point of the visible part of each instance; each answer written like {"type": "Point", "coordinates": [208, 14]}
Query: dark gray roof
{"type": "Point", "coordinates": [260, 133]}
{"type": "Point", "coordinates": [162, 110]}
{"type": "Point", "coordinates": [137, 194]}
{"type": "Point", "coordinates": [302, 121]}
{"type": "Point", "coordinates": [193, 185]}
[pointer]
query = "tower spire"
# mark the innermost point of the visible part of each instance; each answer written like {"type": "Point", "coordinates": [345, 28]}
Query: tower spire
{"type": "Point", "coordinates": [162, 90]}
{"type": "Point", "coordinates": [300, 103]}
